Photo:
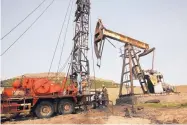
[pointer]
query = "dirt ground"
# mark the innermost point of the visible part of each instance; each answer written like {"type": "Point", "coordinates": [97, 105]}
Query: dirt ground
{"type": "Point", "coordinates": [94, 116]}
{"type": "Point", "coordinates": [104, 116]}
{"type": "Point", "coordinates": [159, 115]}
{"type": "Point", "coordinates": [113, 94]}
{"type": "Point", "coordinates": [166, 115]}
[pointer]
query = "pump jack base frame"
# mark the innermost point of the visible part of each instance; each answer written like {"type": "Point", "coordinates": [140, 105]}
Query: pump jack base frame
{"type": "Point", "coordinates": [126, 99]}
{"type": "Point", "coordinates": [141, 98]}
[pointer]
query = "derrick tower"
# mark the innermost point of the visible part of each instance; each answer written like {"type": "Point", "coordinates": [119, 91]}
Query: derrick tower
{"type": "Point", "coordinates": [80, 61]}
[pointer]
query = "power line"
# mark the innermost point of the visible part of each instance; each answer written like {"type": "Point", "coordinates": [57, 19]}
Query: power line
{"type": "Point", "coordinates": [92, 53]}
{"type": "Point", "coordinates": [22, 20]}
{"type": "Point", "coordinates": [64, 65]}
{"type": "Point", "coordinates": [27, 29]}
{"type": "Point", "coordinates": [65, 37]}
{"type": "Point", "coordinates": [59, 37]}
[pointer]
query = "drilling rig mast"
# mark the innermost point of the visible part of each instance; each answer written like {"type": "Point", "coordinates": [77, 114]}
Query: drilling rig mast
{"type": "Point", "coordinates": [80, 61]}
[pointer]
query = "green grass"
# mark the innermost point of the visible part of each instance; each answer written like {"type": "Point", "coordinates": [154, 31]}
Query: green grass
{"type": "Point", "coordinates": [184, 105]}
{"type": "Point", "coordinates": [7, 83]}
{"type": "Point", "coordinates": [163, 105]}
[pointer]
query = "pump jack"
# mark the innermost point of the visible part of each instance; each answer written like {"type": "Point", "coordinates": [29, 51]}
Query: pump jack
{"type": "Point", "coordinates": [130, 56]}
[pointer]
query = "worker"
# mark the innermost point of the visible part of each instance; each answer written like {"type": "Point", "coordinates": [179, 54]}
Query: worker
{"type": "Point", "coordinates": [105, 95]}
{"type": "Point", "coordinates": [104, 90]}
{"type": "Point", "coordinates": [79, 82]}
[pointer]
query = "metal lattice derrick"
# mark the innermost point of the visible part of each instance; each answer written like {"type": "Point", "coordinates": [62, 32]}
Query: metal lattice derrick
{"type": "Point", "coordinates": [80, 61]}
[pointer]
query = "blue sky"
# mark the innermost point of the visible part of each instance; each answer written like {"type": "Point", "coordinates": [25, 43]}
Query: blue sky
{"type": "Point", "coordinates": [160, 23]}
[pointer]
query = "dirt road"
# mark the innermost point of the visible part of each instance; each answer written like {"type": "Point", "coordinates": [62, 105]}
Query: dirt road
{"type": "Point", "coordinates": [96, 116]}
{"type": "Point", "coordinates": [147, 115]}
{"type": "Point", "coordinates": [103, 116]}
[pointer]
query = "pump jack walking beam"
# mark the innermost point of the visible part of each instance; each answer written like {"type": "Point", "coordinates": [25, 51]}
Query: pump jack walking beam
{"type": "Point", "coordinates": [101, 33]}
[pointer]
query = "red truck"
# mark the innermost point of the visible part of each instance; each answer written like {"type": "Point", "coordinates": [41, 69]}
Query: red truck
{"type": "Point", "coordinates": [41, 97]}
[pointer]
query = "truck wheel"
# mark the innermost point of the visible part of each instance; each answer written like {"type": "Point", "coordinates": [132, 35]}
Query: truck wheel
{"type": "Point", "coordinates": [45, 109]}
{"type": "Point", "coordinates": [66, 106]}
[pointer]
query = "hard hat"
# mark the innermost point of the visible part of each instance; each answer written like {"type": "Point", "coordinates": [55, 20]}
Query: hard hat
{"type": "Point", "coordinates": [103, 85]}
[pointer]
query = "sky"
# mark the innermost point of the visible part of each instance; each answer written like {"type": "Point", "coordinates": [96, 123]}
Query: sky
{"type": "Point", "coordinates": [160, 23]}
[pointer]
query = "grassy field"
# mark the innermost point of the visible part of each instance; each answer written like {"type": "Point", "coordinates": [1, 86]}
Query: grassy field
{"type": "Point", "coordinates": [114, 92]}
{"type": "Point", "coordinates": [113, 88]}
{"type": "Point", "coordinates": [58, 79]}
{"type": "Point", "coordinates": [181, 88]}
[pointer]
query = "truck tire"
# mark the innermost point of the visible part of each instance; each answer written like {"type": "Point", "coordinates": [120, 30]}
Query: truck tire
{"type": "Point", "coordinates": [44, 109]}
{"type": "Point", "coordinates": [66, 106]}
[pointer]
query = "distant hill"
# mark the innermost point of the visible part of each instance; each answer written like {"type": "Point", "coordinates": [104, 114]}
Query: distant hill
{"type": "Point", "coordinates": [58, 78]}
{"type": "Point", "coordinates": [98, 81]}
{"type": "Point", "coordinates": [53, 74]}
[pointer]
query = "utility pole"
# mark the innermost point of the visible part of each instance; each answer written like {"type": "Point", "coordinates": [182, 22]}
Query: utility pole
{"type": "Point", "coordinates": [80, 61]}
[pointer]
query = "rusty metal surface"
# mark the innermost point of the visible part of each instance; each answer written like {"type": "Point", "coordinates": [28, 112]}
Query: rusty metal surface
{"type": "Point", "coordinates": [10, 107]}
{"type": "Point", "coordinates": [125, 39]}
{"type": "Point", "coordinates": [146, 52]}
{"type": "Point", "coordinates": [130, 57]}
{"type": "Point", "coordinates": [101, 33]}
{"type": "Point", "coordinates": [80, 62]}
{"type": "Point", "coordinates": [131, 69]}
